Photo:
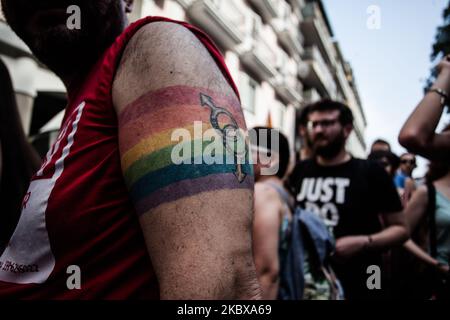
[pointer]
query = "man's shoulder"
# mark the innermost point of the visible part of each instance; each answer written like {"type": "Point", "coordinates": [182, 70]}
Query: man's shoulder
{"type": "Point", "coordinates": [165, 31]}
{"type": "Point", "coordinates": [303, 166]}
{"type": "Point", "coordinates": [305, 163]}
{"type": "Point", "coordinates": [156, 42]}
{"type": "Point", "coordinates": [165, 54]}
{"type": "Point", "coordinates": [355, 164]}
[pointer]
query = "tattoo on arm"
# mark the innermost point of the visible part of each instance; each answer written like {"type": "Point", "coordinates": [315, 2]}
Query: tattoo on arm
{"type": "Point", "coordinates": [164, 146]}
{"type": "Point", "coordinates": [232, 138]}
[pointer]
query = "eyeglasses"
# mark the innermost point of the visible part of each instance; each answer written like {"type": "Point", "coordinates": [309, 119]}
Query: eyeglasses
{"type": "Point", "coordinates": [322, 123]}
{"type": "Point", "coordinates": [408, 161]}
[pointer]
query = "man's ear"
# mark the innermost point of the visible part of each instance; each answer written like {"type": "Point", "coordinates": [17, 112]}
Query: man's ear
{"type": "Point", "coordinates": [129, 4]}
{"type": "Point", "coordinates": [348, 130]}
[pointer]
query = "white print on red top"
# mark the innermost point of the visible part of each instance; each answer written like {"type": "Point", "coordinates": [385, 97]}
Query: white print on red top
{"type": "Point", "coordinates": [28, 258]}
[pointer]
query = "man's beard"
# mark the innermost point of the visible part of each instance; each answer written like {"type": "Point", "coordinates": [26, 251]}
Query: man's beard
{"type": "Point", "coordinates": [66, 51]}
{"type": "Point", "coordinates": [332, 149]}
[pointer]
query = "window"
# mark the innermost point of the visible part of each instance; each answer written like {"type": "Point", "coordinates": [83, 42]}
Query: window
{"type": "Point", "coordinates": [248, 89]}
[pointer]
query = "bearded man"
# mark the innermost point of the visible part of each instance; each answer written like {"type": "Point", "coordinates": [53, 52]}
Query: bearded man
{"type": "Point", "coordinates": [355, 198]}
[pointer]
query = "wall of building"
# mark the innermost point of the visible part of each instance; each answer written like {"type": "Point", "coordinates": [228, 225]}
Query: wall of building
{"type": "Point", "coordinates": [294, 42]}
{"type": "Point", "coordinates": [281, 53]}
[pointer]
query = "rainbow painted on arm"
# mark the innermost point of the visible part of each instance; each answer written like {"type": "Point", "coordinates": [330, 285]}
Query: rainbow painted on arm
{"type": "Point", "coordinates": [180, 142]}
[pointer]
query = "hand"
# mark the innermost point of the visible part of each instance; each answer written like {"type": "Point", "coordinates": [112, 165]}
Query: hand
{"type": "Point", "coordinates": [348, 247]}
{"type": "Point", "coordinates": [443, 79]}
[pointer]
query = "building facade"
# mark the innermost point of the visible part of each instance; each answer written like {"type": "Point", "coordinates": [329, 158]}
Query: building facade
{"type": "Point", "coordinates": [281, 54]}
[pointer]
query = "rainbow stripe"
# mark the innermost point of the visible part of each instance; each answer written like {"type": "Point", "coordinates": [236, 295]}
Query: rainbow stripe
{"type": "Point", "coordinates": [147, 144]}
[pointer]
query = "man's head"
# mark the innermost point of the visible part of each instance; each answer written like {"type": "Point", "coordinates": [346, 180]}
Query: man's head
{"type": "Point", "coordinates": [388, 160]}
{"type": "Point", "coordinates": [270, 149]}
{"type": "Point", "coordinates": [380, 145]}
{"type": "Point", "coordinates": [43, 26]}
{"type": "Point", "coordinates": [329, 124]}
{"type": "Point", "coordinates": [407, 163]}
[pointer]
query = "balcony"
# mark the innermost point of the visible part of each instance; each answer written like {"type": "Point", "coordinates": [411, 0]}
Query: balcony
{"type": "Point", "coordinates": [297, 7]}
{"type": "Point", "coordinates": [303, 69]}
{"type": "Point", "coordinates": [289, 88]}
{"type": "Point", "coordinates": [317, 31]}
{"type": "Point", "coordinates": [221, 19]}
{"type": "Point", "coordinates": [260, 58]}
{"type": "Point", "coordinates": [288, 32]}
{"type": "Point", "coordinates": [319, 76]}
{"type": "Point", "coordinates": [256, 54]}
{"type": "Point", "coordinates": [185, 3]}
{"type": "Point", "coordinates": [342, 81]}
{"type": "Point", "coordinates": [269, 9]}
{"type": "Point", "coordinates": [311, 96]}
{"type": "Point", "coordinates": [286, 83]}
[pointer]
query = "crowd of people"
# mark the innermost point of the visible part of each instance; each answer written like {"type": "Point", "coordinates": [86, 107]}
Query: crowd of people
{"type": "Point", "coordinates": [109, 199]}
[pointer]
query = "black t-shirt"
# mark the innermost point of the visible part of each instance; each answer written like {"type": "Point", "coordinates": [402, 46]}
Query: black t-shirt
{"type": "Point", "coordinates": [349, 198]}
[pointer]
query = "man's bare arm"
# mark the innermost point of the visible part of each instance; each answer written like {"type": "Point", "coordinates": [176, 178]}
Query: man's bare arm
{"type": "Point", "coordinates": [197, 217]}
{"type": "Point", "coordinates": [395, 233]}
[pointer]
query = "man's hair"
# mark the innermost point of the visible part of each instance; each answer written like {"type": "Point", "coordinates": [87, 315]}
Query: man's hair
{"type": "Point", "coordinates": [408, 154]}
{"type": "Point", "coordinates": [283, 146]}
{"type": "Point", "coordinates": [381, 141]}
{"type": "Point", "coordinates": [345, 114]}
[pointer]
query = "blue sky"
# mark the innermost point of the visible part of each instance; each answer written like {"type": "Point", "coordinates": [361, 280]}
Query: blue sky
{"type": "Point", "coordinates": [390, 64]}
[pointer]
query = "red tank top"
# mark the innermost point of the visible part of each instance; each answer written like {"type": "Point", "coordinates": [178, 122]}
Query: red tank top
{"type": "Point", "coordinates": [77, 217]}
